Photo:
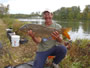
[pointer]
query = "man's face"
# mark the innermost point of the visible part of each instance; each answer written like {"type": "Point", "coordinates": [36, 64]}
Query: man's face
{"type": "Point", "coordinates": [47, 15]}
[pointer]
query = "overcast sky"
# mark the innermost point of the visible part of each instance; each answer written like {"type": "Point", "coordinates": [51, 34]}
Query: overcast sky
{"type": "Point", "coordinates": [28, 6]}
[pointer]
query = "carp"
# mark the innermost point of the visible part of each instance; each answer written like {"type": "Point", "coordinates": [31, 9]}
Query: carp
{"type": "Point", "coordinates": [43, 31]}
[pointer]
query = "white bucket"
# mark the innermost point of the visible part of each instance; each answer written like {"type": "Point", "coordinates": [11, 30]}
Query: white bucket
{"type": "Point", "coordinates": [15, 40]}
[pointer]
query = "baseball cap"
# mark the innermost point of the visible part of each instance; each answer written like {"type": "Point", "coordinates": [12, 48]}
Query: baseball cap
{"type": "Point", "coordinates": [46, 11]}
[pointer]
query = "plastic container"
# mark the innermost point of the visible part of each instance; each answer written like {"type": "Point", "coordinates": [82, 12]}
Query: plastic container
{"type": "Point", "coordinates": [15, 40]}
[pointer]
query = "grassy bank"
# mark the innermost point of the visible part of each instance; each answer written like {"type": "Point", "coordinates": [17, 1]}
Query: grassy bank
{"type": "Point", "coordinates": [77, 57]}
{"type": "Point", "coordinates": [10, 55]}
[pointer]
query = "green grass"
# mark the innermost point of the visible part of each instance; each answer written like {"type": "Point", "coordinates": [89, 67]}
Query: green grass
{"type": "Point", "coordinates": [78, 56]}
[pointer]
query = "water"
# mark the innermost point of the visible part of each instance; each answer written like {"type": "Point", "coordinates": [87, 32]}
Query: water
{"type": "Point", "coordinates": [80, 29]}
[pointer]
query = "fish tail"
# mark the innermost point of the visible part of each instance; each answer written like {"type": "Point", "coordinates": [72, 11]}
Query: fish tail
{"type": "Point", "coordinates": [65, 32]}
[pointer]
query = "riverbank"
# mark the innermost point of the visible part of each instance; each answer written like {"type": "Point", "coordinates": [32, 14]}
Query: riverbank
{"type": "Point", "coordinates": [77, 57]}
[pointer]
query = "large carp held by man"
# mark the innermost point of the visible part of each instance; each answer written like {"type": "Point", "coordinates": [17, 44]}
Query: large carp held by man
{"type": "Point", "coordinates": [43, 31]}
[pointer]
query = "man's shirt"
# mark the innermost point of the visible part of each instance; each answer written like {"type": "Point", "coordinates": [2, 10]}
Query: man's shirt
{"type": "Point", "coordinates": [48, 43]}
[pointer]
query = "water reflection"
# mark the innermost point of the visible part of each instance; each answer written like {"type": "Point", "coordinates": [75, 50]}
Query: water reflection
{"type": "Point", "coordinates": [79, 34]}
{"type": "Point", "coordinates": [34, 21]}
{"type": "Point", "coordinates": [80, 30]}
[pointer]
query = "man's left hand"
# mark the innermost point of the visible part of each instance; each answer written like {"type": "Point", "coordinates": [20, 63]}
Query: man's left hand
{"type": "Point", "coordinates": [55, 35]}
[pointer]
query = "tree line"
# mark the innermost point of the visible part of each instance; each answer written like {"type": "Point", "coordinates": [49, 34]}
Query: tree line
{"type": "Point", "coordinates": [70, 13]}
{"type": "Point", "coordinates": [25, 15]}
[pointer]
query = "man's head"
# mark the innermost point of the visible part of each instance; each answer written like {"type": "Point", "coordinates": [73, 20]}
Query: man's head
{"type": "Point", "coordinates": [47, 15]}
{"type": "Point", "coordinates": [46, 12]}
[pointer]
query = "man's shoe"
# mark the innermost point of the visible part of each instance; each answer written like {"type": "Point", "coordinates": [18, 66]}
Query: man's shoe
{"type": "Point", "coordinates": [55, 65]}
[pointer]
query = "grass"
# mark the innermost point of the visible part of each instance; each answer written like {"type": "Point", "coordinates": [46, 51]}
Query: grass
{"type": "Point", "coordinates": [77, 57]}
{"type": "Point", "coordinates": [11, 55]}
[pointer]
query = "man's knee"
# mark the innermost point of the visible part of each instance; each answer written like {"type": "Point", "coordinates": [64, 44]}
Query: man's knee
{"type": "Point", "coordinates": [62, 49]}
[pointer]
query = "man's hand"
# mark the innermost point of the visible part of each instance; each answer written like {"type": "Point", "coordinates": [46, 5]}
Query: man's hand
{"type": "Point", "coordinates": [30, 33]}
{"type": "Point", "coordinates": [35, 39]}
{"type": "Point", "coordinates": [56, 36]}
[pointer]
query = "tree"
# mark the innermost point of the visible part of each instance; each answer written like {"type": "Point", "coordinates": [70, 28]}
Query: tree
{"type": "Point", "coordinates": [86, 13]}
{"type": "Point", "coordinates": [3, 10]}
{"type": "Point", "coordinates": [67, 13]}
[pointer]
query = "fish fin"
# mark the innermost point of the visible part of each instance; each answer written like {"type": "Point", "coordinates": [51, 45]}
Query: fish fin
{"type": "Point", "coordinates": [65, 32]}
{"type": "Point", "coordinates": [53, 38]}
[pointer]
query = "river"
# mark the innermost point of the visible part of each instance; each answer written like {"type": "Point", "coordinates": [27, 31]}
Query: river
{"type": "Point", "coordinates": [80, 29]}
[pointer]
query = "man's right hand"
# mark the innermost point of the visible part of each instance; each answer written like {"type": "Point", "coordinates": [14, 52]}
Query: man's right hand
{"type": "Point", "coordinates": [35, 39]}
{"type": "Point", "coordinates": [30, 33]}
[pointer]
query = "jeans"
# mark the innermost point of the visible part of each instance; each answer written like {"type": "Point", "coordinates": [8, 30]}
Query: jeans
{"type": "Point", "coordinates": [58, 51]}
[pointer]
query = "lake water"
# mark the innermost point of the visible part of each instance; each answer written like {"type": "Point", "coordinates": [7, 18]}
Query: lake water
{"type": "Point", "coordinates": [80, 29]}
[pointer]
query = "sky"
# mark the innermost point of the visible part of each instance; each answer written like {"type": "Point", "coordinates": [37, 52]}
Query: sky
{"type": "Point", "coordinates": [29, 6]}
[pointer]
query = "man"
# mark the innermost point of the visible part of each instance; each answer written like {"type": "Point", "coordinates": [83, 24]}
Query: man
{"type": "Point", "coordinates": [49, 46]}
